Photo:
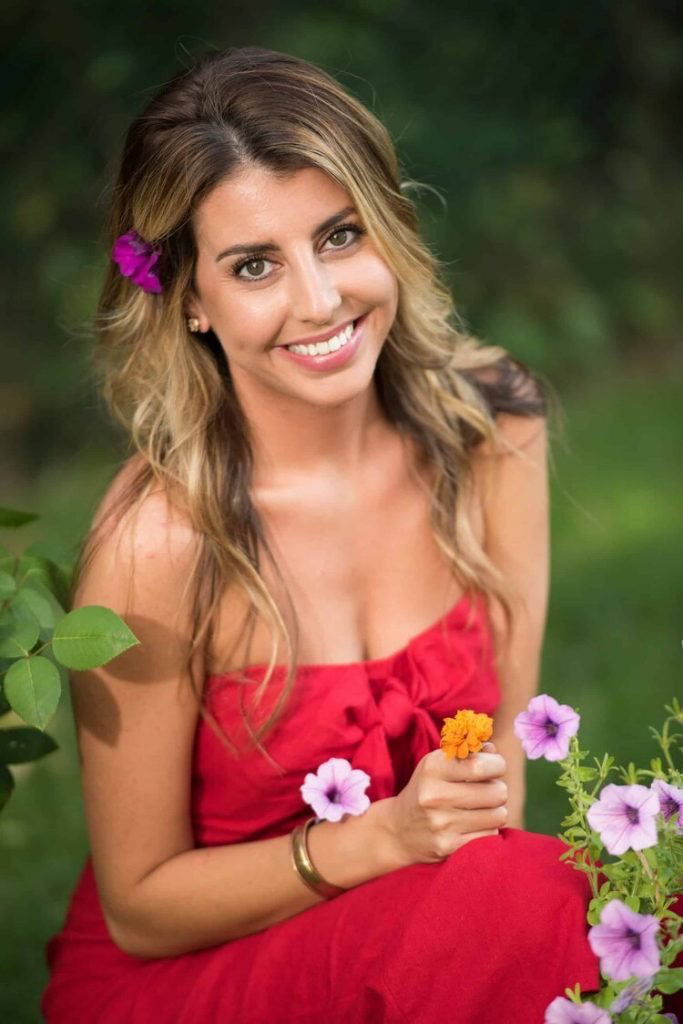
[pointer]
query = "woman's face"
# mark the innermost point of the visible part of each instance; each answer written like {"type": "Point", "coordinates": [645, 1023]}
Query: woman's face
{"type": "Point", "coordinates": [281, 261]}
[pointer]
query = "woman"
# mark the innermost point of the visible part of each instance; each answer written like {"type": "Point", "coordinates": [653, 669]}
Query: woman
{"type": "Point", "coordinates": [332, 534]}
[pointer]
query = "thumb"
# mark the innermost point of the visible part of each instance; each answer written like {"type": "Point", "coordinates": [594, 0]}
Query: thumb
{"type": "Point", "coordinates": [489, 748]}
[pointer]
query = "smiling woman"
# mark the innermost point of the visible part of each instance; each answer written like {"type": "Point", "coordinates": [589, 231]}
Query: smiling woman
{"type": "Point", "coordinates": [320, 269]}
{"type": "Point", "coordinates": [325, 465]}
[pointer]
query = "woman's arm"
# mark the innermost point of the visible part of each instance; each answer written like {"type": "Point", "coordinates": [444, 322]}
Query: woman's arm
{"type": "Point", "coordinates": [136, 720]}
{"type": "Point", "coordinates": [514, 494]}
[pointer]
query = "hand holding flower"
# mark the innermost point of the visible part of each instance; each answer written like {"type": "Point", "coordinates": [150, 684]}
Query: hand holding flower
{"type": "Point", "coordinates": [448, 802]}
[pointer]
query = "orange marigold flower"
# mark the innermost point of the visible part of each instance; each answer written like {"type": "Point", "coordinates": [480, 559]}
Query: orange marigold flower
{"type": "Point", "coordinates": [465, 734]}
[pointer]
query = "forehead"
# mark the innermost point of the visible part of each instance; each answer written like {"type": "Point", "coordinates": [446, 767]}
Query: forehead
{"type": "Point", "coordinates": [257, 204]}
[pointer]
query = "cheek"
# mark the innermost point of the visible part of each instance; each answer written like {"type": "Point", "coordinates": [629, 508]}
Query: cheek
{"type": "Point", "coordinates": [379, 285]}
{"type": "Point", "coordinates": [239, 317]}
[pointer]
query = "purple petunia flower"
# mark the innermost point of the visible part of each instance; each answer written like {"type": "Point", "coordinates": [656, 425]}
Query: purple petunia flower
{"type": "Point", "coordinates": [625, 817]}
{"type": "Point", "coordinates": [135, 259]}
{"type": "Point", "coordinates": [546, 727]}
{"type": "Point", "coordinates": [631, 994]}
{"type": "Point", "coordinates": [336, 789]}
{"type": "Point", "coordinates": [625, 942]}
{"type": "Point", "coordinates": [563, 1011]}
{"type": "Point", "coordinates": [670, 801]}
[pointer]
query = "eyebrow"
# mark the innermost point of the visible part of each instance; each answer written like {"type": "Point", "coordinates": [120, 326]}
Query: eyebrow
{"type": "Point", "coordinates": [256, 247]}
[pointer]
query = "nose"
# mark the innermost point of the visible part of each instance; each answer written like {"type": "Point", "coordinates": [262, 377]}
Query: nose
{"type": "Point", "coordinates": [314, 292]}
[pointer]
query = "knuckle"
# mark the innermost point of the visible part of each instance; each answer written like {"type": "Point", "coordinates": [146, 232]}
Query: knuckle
{"type": "Point", "coordinates": [442, 845]}
{"type": "Point", "coordinates": [425, 798]}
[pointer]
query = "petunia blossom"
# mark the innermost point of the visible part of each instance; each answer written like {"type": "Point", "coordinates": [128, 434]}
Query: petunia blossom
{"type": "Point", "coordinates": [135, 259]}
{"type": "Point", "coordinates": [670, 802]}
{"type": "Point", "coordinates": [625, 942]}
{"type": "Point", "coordinates": [631, 994]}
{"type": "Point", "coordinates": [336, 789]}
{"type": "Point", "coordinates": [625, 817]}
{"type": "Point", "coordinates": [563, 1011]}
{"type": "Point", "coordinates": [546, 728]}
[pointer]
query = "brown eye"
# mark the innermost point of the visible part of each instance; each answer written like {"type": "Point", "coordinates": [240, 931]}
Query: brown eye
{"type": "Point", "coordinates": [339, 231]}
{"type": "Point", "coordinates": [254, 263]}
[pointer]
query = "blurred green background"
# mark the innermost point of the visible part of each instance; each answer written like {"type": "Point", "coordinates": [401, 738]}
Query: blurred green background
{"type": "Point", "coordinates": [551, 132]}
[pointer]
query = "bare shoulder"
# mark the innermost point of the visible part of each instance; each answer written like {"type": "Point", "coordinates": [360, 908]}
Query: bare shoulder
{"type": "Point", "coordinates": [516, 435]}
{"type": "Point", "coordinates": [136, 716]}
{"type": "Point", "coordinates": [511, 483]}
{"type": "Point", "coordinates": [151, 529]}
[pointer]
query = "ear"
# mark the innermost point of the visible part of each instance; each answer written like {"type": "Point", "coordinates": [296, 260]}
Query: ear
{"type": "Point", "coordinates": [193, 307]}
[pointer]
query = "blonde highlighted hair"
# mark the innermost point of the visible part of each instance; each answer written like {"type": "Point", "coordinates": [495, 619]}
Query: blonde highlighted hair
{"type": "Point", "coordinates": [172, 391]}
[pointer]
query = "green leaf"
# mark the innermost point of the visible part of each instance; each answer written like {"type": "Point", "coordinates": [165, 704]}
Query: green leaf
{"type": "Point", "coordinates": [33, 570]}
{"type": "Point", "coordinates": [586, 774]}
{"type": "Point", "coordinates": [7, 585]}
{"type": "Point", "coordinates": [23, 744]}
{"type": "Point", "coordinates": [593, 917]}
{"type": "Point", "coordinates": [39, 605]}
{"type": "Point", "coordinates": [33, 688]}
{"type": "Point", "coordinates": [6, 785]}
{"type": "Point", "coordinates": [91, 636]}
{"type": "Point", "coordinates": [19, 630]}
{"type": "Point", "coordinates": [13, 517]}
{"type": "Point", "coordinates": [633, 902]}
{"type": "Point", "coordinates": [56, 569]}
{"type": "Point", "coordinates": [669, 980]}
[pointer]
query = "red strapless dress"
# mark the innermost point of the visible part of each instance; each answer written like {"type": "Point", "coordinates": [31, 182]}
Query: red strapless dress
{"type": "Point", "coordinates": [491, 935]}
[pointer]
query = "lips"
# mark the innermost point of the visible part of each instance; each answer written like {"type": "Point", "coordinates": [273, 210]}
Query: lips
{"type": "Point", "coordinates": [322, 337]}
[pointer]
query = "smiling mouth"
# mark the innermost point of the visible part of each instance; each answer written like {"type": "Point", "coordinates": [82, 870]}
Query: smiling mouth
{"type": "Point", "coordinates": [323, 348]}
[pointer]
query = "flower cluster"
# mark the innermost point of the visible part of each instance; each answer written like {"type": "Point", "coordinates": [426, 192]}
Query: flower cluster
{"type": "Point", "coordinates": [465, 734]}
{"type": "Point", "coordinates": [634, 930]}
{"type": "Point", "coordinates": [336, 789]}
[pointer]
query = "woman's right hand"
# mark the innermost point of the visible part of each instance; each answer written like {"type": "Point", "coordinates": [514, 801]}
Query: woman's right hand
{"type": "Point", "coordinates": [446, 804]}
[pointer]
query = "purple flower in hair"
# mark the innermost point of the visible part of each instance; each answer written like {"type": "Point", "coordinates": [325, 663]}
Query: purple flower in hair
{"type": "Point", "coordinates": [563, 1011]}
{"type": "Point", "coordinates": [670, 801]}
{"type": "Point", "coordinates": [336, 789]}
{"type": "Point", "coordinates": [625, 817]}
{"type": "Point", "coordinates": [625, 942]}
{"type": "Point", "coordinates": [135, 259]}
{"type": "Point", "coordinates": [546, 727]}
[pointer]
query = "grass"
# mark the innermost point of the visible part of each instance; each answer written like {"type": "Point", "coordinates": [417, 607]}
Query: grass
{"type": "Point", "coordinates": [613, 646]}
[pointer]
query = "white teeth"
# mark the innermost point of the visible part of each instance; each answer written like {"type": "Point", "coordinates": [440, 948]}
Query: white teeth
{"type": "Point", "coordinates": [323, 347]}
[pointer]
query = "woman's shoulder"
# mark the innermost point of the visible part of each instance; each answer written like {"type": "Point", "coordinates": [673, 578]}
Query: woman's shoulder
{"type": "Point", "coordinates": [510, 386]}
{"type": "Point", "coordinates": [136, 522]}
{"type": "Point", "coordinates": [517, 399]}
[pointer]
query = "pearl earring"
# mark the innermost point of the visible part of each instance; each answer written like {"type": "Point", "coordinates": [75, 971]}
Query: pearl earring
{"type": "Point", "coordinates": [193, 324]}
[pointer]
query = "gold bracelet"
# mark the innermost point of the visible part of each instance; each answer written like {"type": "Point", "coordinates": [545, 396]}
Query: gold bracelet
{"type": "Point", "coordinates": [303, 865]}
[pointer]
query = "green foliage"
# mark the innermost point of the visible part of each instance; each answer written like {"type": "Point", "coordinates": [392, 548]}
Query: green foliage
{"type": "Point", "coordinates": [647, 880]}
{"type": "Point", "coordinates": [32, 620]}
{"type": "Point", "coordinates": [561, 226]}
{"type": "Point", "coordinates": [90, 636]}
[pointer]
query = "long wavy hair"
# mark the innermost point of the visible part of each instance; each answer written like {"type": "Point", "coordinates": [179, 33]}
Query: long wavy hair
{"type": "Point", "coordinates": [172, 390]}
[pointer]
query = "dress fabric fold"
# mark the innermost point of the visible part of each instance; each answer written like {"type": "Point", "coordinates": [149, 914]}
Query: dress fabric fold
{"type": "Point", "coordinates": [493, 933]}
